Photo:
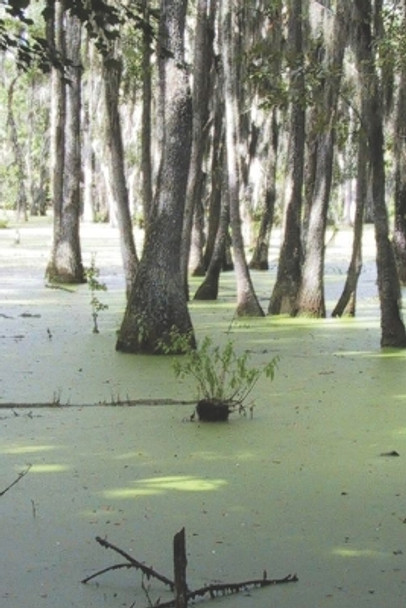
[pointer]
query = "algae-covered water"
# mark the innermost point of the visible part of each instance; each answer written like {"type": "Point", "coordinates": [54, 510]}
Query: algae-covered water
{"type": "Point", "coordinates": [301, 488]}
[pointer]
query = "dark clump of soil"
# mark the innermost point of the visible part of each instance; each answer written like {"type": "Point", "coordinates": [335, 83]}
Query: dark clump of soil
{"type": "Point", "coordinates": [212, 410]}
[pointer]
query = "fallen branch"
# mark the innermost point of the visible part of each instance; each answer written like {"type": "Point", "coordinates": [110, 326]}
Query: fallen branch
{"type": "Point", "coordinates": [118, 403]}
{"type": "Point", "coordinates": [99, 572]}
{"type": "Point", "coordinates": [229, 588]}
{"type": "Point", "coordinates": [149, 572]}
{"type": "Point", "coordinates": [226, 588]}
{"type": "Point", "coordinates": [61, 286]}
{"type": "Point", "coordinates": [20, 476]}
{"type": "Point", "coordinates": [179, 586]}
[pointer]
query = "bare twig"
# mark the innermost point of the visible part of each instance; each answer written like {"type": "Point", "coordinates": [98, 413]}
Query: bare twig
{"type": "Point", "coordinates": [115, 567]}
{"type": "Point", "coordinates": [145, 589]}
{"type": "Point", "coordinates": [228, 588]}
{"type": "Point", "coordinates": [225, 588]}
{"type": "Point", "coordinates": [149, 572]}
{"type": "Point", "coordinates": [20, 476]}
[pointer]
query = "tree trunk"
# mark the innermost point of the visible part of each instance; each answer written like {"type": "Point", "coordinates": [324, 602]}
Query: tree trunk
{"type": "Point", "coordinates": [37, 163]}
{"type": "Point", "coordinates": [311, 294]}
{"type": "Point", "coordinates": [260, 256]}
{"type": "Point", "coordinates": [112, 78]}
{"type": "Point", "coordinates": [286, 288]}
{"type": "Point", "coordinates": [392, 328]}
{"type": "Point", "coordinates": [21, 202]}
{"type": "Point", "coordinates": [399, 235]}
{"type": "Point", "coordinates": [90, 100]}
{"type": "Point", "coordinates": [216, 169]}
{"type": "Point", "coordinates": [146, 161]}
{"type": "Point", "coordinates": [208, 290]}
{"type": "Point", "coordinates": [157, 307]}
{"type": "Point", "coordinates": [203, 56]}
{"type": "Point", "coordinates": [65, 265]}
{"type": "Point", "coordinates": [247, 302]}
{"type": "Point", "coordinates": [346, 304]}
{"type": "Point", "coordinates": [198, 238]}
{"type": "Point", "coordinates": [58, 111]}
{"type": "Point", "coordinates": [267, 37]}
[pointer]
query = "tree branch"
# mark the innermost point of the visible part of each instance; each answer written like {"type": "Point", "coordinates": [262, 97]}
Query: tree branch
{"type": "Point", "coordinates": [229, 588]}
{"type": "Point", "coordinates": [20, 476]}
{"type": "Point", "coordinates": [149, 572]}
{"type": "Point", "coordinates": [115, 567]}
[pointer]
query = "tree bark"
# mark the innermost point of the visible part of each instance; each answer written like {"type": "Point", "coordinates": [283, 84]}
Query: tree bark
{"type": "Point", "coordinates": [247, 302]}
{"type": "Point", "coordinates": [392, 328]}
{"type": "Point", "coordinates": [65, 265]}
{"type": "Point", "coordinates": [157, 307]}
{"type": "Point", "coordinates": [286, 288]}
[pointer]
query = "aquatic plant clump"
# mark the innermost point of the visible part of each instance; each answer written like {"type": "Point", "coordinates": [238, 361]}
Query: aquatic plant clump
{"type": "Point", "coordinates": [95, 285]}
{"type": "Point", "coordinates": [224, 379]}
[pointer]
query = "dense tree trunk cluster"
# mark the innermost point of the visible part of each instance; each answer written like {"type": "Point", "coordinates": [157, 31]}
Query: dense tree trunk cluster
{"type": "Point", "coordinates": [206, 124]}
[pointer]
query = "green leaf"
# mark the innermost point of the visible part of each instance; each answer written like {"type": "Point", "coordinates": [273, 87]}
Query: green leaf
{"type": "Point", "coordinates": [220, 373]}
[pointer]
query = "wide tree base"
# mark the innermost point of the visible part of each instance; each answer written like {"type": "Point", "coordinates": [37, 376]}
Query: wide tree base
{"type": "Point", "coordinates": [157, 319]}
{"type": "Point", "coordinates": [393, 339]}
{"type": "Point", "coordinates": [207, 291]}
{"type": "Point", "coordinates": [64, 276]}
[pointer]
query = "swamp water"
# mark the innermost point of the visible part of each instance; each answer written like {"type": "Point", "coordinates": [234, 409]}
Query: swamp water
{"type": "Point", "coordinates": [301, 488]}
